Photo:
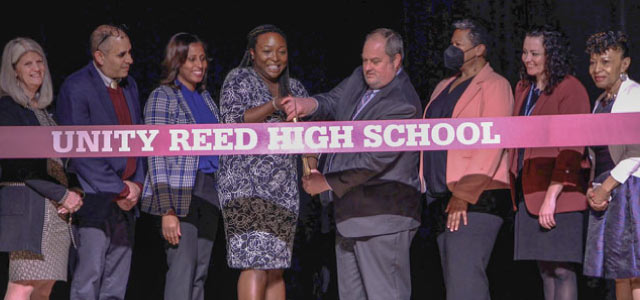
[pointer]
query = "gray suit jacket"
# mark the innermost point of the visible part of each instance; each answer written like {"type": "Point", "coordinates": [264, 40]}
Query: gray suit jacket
{"type": "Point", "coordinates": [374, 192]}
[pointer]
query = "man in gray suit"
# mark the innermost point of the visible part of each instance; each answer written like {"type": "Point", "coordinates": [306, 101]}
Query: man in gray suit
{"type": "Point", "coordinates": [376, 194]}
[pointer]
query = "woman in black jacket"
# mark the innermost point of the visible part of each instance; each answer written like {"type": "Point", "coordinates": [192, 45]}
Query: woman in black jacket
{"type": "Point", "coordinates": [36, 196]}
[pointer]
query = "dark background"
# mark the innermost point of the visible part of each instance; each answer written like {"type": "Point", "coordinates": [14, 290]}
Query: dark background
{"type": "Point", "coordinates": [325, 40]}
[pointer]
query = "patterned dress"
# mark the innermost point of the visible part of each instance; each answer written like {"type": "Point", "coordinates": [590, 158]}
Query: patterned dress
{"type": "Point", "coordinates": [258, 193]}
{"type": "Point", "coordinates": [52, 263]}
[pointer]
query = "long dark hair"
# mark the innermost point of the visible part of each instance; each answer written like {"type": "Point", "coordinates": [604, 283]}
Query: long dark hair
{"type": "Point", "coordinates": [176, 54]}
{"type": "Point", "coordinates": [252, 37]}
{"type": "Point", "coordinates": [558, 63]}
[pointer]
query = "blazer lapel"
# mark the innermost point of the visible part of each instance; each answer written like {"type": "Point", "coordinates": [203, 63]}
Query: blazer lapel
{"type": "Point", "coordinates": [466, 97]}
{"type": "Point", "coordinates": [103, 96]}
{"type": "Point", "coordinates": [212, 106]}
{"type": "Point", "coordinates": [357, 95]}
{"type": "Point", "coordinates": [381, 94]}
{"type": "Point", "coordinates": [542, 101]}
{"type": "Point", "coordinates": [436, 93]}
{"type": "Point", "coordinates": [472, 90]}
{"type": "Point", "coordinates": [130, 98]}
{"type": "Point", "coordinates": [519, 100]}
{"type": "Point", "coordinates": [184, 106]}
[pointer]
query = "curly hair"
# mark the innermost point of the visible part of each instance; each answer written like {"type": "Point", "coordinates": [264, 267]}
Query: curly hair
{"type": "Point", "coordinates": [599, 43]}
{"type": "Point", "coordinates": [558, 63]}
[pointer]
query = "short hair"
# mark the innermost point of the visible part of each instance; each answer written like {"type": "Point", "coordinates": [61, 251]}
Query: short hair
{"type": "Point", "coordinates": [252, 39]}
{"type": "Point", "coordinates": [9, 83]}
{"type": "Point", "coordinates": [393, 45]}
{"type": "Point", "coordinates": [102, 33]}
{"type": "Point", "coordinates": [175, 56]}
{"type": "Point", "coordinates": [558, 63]}
{"type": "Point", "coordinates": [599, 43]}
{"type": "Point", "coordinates": [478, 34]}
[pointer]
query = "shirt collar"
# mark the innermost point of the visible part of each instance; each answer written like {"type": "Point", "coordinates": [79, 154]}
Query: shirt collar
{"type": "Point", "coordinates": [105, 79]}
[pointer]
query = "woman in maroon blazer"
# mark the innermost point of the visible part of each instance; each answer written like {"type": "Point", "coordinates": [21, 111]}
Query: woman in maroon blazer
{"type": "Point", "coordinates": [546, 183]}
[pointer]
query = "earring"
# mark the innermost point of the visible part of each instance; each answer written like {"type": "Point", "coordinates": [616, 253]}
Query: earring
{"type": "Point", "coordinates": [623, 76]}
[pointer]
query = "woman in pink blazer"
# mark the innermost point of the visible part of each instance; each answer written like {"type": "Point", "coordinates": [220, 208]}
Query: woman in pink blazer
{"type": "Point", "coordinates": [469, 188]}
{"type": "Point", "coordinates": [546, 183]}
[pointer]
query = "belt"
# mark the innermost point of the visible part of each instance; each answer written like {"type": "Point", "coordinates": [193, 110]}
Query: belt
{"type": "Point", "coordinates": [12, 183]}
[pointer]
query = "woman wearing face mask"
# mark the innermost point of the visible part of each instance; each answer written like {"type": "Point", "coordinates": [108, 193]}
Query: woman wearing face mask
{"type": "Point", "coordinates": [182, 189]}
{"type": "Point", "coordinates": [36, 195]}
{"type": "Point", "coordinates": [259, 193]}
{"type": "Point", "coordinates": [613, 239]}
{"type": "Point", "coordinates": [546, 182]}
{"type": "Point", "coordinates": [469, 189]}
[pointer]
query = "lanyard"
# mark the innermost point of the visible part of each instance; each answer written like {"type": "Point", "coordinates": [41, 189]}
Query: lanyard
{"type": "Point", "coordinates": [527, 109]}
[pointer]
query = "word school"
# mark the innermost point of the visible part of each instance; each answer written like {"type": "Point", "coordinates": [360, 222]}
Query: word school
{"type": "Point", "coordinates": [240, 138]}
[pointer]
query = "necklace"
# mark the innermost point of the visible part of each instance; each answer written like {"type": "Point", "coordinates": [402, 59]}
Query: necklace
{"type": "Point", "coordinates": [611, 96]}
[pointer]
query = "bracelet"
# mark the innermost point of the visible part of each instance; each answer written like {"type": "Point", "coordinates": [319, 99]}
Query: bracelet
{"type": "Point", "coordinates": [79, 191]}
{"type": "Point", "coordinates": [273, 102]}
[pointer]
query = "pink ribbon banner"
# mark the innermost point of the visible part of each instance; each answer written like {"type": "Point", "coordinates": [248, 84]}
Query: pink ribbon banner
{"type": "Point", "coordinates": [319, 137]}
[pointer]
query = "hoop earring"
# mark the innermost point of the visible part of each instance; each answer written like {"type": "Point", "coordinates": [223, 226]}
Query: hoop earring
{"type": "Point", "coordinates": [623, 76]}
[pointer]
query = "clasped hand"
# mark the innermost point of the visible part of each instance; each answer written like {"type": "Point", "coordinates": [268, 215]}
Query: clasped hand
{"type": "Point", "coordinates": [297, 107]}
{"type": "Point", "coordinates": [71, 204]}
{"type": "Point", "coordinates": [315, 183]}
{"type": "Point", "coordinates": [130, 201]}
{"type": "Point", "coordinates": [598, 198]}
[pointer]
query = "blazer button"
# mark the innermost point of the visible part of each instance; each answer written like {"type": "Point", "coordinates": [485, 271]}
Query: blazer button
{"type": "Point", "coordinates": [566, 171]}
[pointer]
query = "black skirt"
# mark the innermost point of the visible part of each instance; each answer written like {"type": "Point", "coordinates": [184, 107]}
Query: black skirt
{"type": "Point", "coordinates": [563, 243]}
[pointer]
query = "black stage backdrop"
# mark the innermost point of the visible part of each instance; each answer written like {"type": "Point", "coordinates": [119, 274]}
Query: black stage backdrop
{"type": "Point", "coordinates": [325, 41]}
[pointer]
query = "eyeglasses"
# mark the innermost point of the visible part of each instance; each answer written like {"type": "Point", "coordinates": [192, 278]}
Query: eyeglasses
{"type": "Point", "coordinates": [115, 31]}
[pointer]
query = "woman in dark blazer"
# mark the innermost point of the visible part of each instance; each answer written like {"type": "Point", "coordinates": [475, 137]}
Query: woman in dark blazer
{"type": "Point", "coordinates": [546, 182]}
{"type": "Point", "coordinates": [36, 196]}
{"type": "Point", "coordinates": [182, 189]}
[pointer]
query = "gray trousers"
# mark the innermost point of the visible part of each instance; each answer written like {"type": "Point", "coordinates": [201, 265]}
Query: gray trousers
{"type": "Point", "coordinates": [103, 258]}
{"type": "Point", "coordinates": [188, 262]}
{"type": "Point", "coordinates": [465, 255]}
{"type": "Point", "coordinates": [374, 267]}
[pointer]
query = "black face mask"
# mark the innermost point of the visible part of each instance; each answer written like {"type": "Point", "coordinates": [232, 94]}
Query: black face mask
{"type": "Point", "coordinates": [454, 57]}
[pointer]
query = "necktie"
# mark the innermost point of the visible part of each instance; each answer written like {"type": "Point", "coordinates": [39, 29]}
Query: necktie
{"type": "Point", "coordinates": [363, 102]}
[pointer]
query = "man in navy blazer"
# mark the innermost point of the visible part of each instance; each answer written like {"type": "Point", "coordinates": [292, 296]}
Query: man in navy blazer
{"type": "Point", "coordinates": [102, 93]}
{"type": "Point", "coordinates": [376, 194]}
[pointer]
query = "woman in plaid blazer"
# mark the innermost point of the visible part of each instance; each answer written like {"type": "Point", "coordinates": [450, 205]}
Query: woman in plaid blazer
{"type": "Point", "coordinates": [182, 189]}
